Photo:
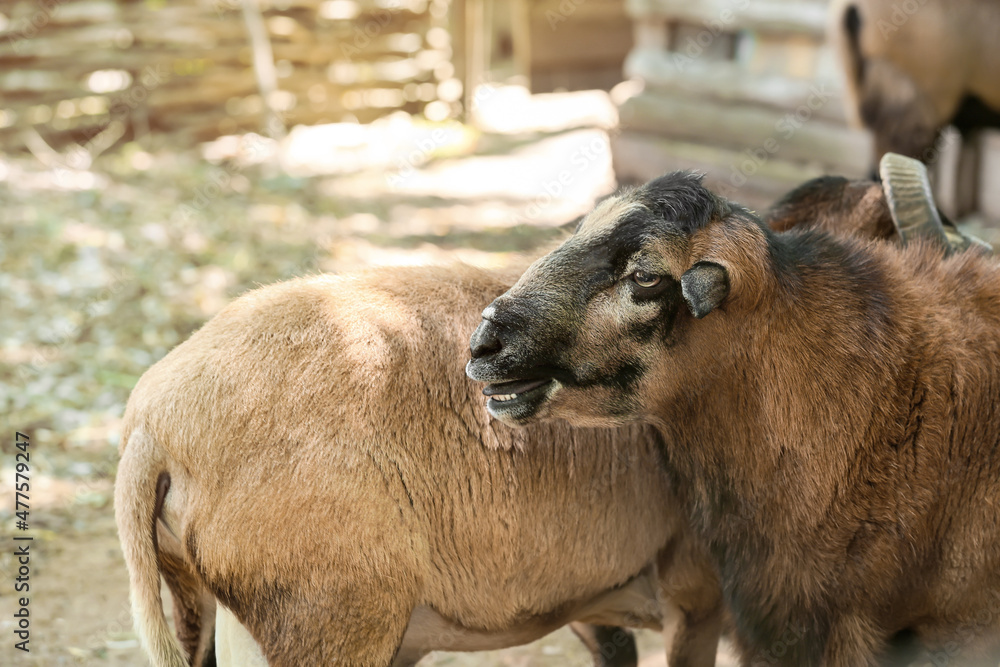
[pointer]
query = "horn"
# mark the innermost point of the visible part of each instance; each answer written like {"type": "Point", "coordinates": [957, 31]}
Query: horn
{"type": "Point", "coordinates": [960, 241]}
{"type": "Point", "coordinates": [911, 204]}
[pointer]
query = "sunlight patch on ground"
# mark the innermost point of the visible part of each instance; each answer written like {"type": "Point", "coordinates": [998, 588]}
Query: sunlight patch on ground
{"type": "Point", "coordinates": [551, 181]}
{"type": "Point", "coordinates": [33, 176]}
{"type": "Point", "coordinates": [398, 141]}
{"type": "Point", "coordinates": [356, 254]}
{"type": "Point", "coordinates": [514, 110]}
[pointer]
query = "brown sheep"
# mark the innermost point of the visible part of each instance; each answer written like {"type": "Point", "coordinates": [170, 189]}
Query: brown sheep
{"type": "Point", "coordinates": [901, 207]}
{"type": "Point", "coordinates": [913, 67]}
{"type": "Point", "coordinates": [835, 204]}
{"type": "Point", "coordinates": [314, 459]}
{"type": "Point", "coordinates": [829, 409]}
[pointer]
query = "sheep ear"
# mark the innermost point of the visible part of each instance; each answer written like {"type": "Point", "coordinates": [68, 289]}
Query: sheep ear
{"type": "Point", "coordinates": [704, 286]}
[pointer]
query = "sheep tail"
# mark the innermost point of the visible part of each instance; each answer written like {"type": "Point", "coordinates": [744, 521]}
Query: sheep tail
{"type": "Point", "coordinates": [845, 35]}
{"type": "Point", "coordinates": [140, 489]}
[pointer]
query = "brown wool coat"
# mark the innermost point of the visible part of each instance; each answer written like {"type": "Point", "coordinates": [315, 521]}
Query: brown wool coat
{"type": "Point", "coordinates": [830, 409]}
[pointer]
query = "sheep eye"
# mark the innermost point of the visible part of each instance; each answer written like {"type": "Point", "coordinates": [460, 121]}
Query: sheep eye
{"type": "Point", "coordinates": [647, 280]}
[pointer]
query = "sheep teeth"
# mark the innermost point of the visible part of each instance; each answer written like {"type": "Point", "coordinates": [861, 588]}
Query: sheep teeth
{"type": "Point", "coordinates": [503, 397]}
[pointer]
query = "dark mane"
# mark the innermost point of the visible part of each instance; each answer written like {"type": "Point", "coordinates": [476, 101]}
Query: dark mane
{"type": "Point", "coordinates": [681, 199]}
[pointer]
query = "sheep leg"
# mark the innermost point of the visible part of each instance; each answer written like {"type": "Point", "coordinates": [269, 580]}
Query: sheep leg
{"type": "Point", "coordinates": [233, 644]}
{"type": "Point", "coordinates": [351, 623]}
{"type": "Point", "coordinates": [690, 595]}
{"type": "Point", "coordinates": [852, 643]}
{"type": "Point", "coordinates": [694, 639]}
{"type": "Point", "coordinates": [194, 605]}
{"type": "Point", "coordinates": [366, 637]}
{"type": "Point", "coordinates": [610, 646]}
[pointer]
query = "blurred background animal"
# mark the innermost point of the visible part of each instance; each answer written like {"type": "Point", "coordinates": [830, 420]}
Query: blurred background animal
{"type": "Point", "coordinates": [912, 68]}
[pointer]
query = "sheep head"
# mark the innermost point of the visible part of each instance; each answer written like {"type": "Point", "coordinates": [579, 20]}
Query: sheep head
{"type": "Point", "coordinates": [590, 327]}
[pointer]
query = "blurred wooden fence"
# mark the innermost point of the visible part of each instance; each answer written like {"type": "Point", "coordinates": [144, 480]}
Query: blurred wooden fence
{"type": "Point", "coordinates": [95, 71]}
{"type": "Point", "coordinates": [573, 44]}
{"type": "Point", "coordinates": [745, 91]}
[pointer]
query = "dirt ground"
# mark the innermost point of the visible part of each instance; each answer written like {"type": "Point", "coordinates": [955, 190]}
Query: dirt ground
{"type": "Point", "coordinates": [103, 270]}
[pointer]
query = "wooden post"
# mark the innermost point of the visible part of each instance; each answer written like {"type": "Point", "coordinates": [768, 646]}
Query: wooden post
{"type": "Point", "coordinates": [989, 175]}
{"type": "Point", "coordinates": [521, 37]}
{"type": "Point", "coordinates": [967, 179]}
{"type": "Point", "coordinates": [474, 48]}
{"type": "Point", "coordinates": [263, 68]}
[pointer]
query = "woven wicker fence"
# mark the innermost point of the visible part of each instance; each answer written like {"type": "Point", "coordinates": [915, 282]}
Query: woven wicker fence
{"type": "Point", "coordinates": [97, 72]}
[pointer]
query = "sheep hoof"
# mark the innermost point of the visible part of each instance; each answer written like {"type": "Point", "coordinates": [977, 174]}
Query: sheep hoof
{"type": "Point", "coordinates": [914, 213]}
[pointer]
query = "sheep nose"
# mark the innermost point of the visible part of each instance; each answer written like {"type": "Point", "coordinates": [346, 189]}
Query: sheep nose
{"type": "Point", "coordinates": [485, 340]}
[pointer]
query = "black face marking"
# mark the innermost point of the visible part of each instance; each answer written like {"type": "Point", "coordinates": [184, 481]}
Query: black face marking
{"type": "Point", "coordinates": [594, 260]}
{"type": "Point", "coordinates": [540, 318]}
{"type": "Point", "coordinates": [646, 294]}
{"type": "Point", "coordinates": [672, 206]}
{"type": "Point", "coordinates": [626, 377]}
{"type": "Point", "coordinates": [646, 331]}
{"type": "Point", "coordinates": [622, 381]}
{"type": "Point", "coordinates": [628, 237]}
{"type": "Point", "coordinates": [622, 377]}
{"type": "Point", "coordinates": [662, 325]}
{"type": "Point", "coordinates": [676, 204]}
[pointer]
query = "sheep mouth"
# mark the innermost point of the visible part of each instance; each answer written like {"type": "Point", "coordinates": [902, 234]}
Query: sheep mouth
{"type": "Point", "coordinates": [508, 391]}
{"type": "Point", "coordinates": [517, 399]}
